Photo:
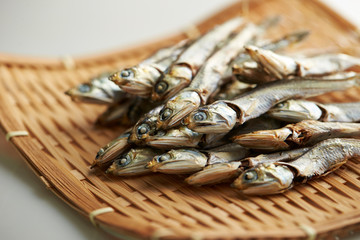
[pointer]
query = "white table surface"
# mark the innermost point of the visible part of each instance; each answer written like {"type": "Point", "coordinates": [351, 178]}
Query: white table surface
{"type": "Point", "coordinates": [57, 28]}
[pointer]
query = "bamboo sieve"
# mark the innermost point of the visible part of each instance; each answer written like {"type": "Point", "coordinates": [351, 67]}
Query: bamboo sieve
{"type": "Point", "coordinates": [58, 140]}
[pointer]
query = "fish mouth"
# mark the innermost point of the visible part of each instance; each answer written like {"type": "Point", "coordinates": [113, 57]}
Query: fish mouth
{"type": "Point", "coordinates": [116, 78]}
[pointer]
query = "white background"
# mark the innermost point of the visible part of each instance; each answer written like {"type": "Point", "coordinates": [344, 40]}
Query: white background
{"type": "Point", "coordinates": [57, 28]}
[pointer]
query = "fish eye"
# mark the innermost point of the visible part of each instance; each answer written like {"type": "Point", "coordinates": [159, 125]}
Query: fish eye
{"type": "Point", "coordinates": [126, 73]}
{"type": "Point", "coordinates": [163, 158]}
{"type": "Point", "coordinates": [143, 129]}
{"type": "Point", "coordinates": [161, 87]}
{"type": "Point", "coordinates": [250, 176]}
{"type": "Point", "coordinates": [280, 105]}
{"type": "Point", "coordinates": [199, 116]}
{"type": "Point", "coordinates": [100, 153]}
{"type": "Point", "coordinates": [84, 88]}
{"type": "Point", "coordinates": [123, 161]}
{"type": "Point", "coordinates": [166, 114]}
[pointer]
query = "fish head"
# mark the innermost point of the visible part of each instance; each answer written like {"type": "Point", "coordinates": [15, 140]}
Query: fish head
{"type": "Point", "coordinates": [214, 118]}
{"type": "Point", "coordinates": [176, 79]}
{"type": "Point", "coordinates": [265, 179]}
{"type": "Point", "coordinates": [87, 92]}
{"type": "Point", "coordinates": [177, 108]}
{"type": "Point", "coordinates": [179, 137]}
{"type": "Point", "coordinates": [142, 130]}
{"type": "Point", "coordinates": [112, 150]}
{"type": "Point", "coordinates": [132, 163]}
{"type": "Point", "coordinates": [98, 90]}
{"type": "Point", "coordinates": [145, 127]}
{"type": "Point", "coordinates": [295, 111]}
{"type": "Point", "coordinates": [137, 80]}
{"type": "Point", "coordinates": [250, 72]}
{"type": "Point", "coordinates": [178, 161]}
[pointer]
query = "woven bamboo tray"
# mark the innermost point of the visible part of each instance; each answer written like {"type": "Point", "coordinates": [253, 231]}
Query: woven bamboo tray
{"type": "Point", "coordinates": [63, 141]}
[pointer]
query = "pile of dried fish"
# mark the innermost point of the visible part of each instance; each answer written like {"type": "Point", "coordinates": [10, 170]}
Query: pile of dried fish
{"type": "Point", "coordinates": [228, 106]}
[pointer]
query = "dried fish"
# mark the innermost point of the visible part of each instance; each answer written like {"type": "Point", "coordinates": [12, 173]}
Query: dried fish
{"type": "Point", "coordinates": [281, 66]}
{"type": "Point", "coordinates": [225, 171]}
{"type": "Point", "coordinates": [222, 116]}
{"type": "Point", "coordinates": [307, 132]}
{"type": "Point", "coordinates": [182, 161]}
{"type": "Point", "coordinates": [299, 110]}
{"type": "Point", "coordinates": [324, 158]}
{"type": "Point", "coordinates": [247, 70]}
{"type": "Point", "coordinates": [140, 79]}
{"type": "Point", "coordinates": [133, 162]}
{"type": "Point", "coordinates": [98, 90]}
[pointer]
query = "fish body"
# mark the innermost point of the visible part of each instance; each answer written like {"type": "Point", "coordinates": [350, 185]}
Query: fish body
{"type": "Point", "coordinates": [222, 116]}
{"type": "Point", "coordinates": [230, 90]}
{"type": "Point", "coordinates": [305, 133]}
{"type": "Point", "coordinates": [322, 159]}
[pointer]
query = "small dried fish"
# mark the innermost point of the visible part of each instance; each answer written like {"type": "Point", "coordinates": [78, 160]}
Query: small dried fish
{"type": "Point", "coordinates": [98, 90]}
{"type": "Point", "coordinates": [187, 65]}
{"type": "Point", "coordinates": [140, 79]}
{"type": "Point", "coordinates": [222, 116]}
{"type": "Point", "coordinates": [133, 162]}
{"type": "Point", "coordinates": [307, 132]}
{"type": "Point", "coordinates": [221, 172]}
{"type": "Point", "coordinates": [247, 70]}
{"type": "Point", "coordinates": [324, 158]}
{"type": "Point", "coordinates": [281, 67]}
{"type": "Point", "coordinates": [299, 110]}
{"type": "Point", "coordinates": [182, 161]}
